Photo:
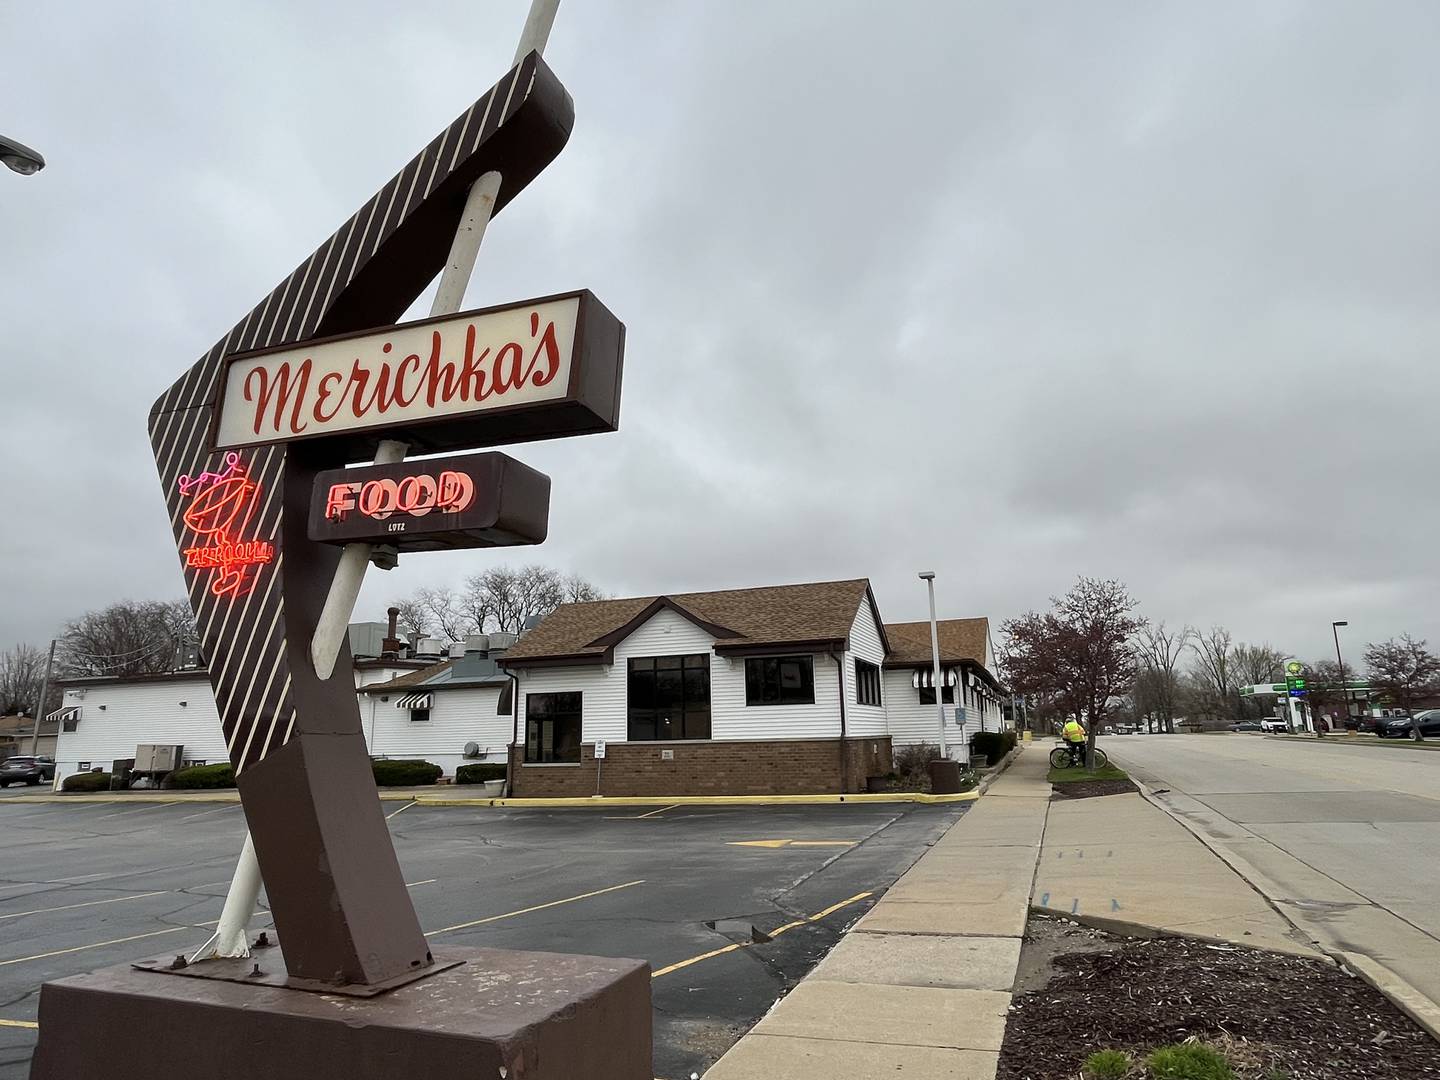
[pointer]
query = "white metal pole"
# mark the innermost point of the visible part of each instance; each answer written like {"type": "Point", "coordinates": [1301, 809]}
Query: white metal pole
{"type": "Point", "coordinates": [334, 618]}
{"type": "Point", "coordinates": [929, 577]}
{"type": "Point", "coordinates": [40, 703]}
{"type": "Point", "coordinates": [231, 937]}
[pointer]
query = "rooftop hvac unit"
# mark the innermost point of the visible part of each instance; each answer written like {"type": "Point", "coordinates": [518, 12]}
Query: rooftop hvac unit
{"type": "Point", "coordinates": [477, 643]}
{"type": "Point", "coordinates": [158, 757]}
{"type": "Point", "coordinates": [502, 640]}
{"type": "Point", "coordinates": [429, 646]}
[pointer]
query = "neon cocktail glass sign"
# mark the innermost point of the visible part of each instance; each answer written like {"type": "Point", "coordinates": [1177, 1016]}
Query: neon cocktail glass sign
{"type": "Point", "coordinates": [221, 505]}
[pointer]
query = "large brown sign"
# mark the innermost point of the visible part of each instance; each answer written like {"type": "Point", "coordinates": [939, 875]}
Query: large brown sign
{"type": "Point", "coordinates": [540, 369]}
{"type": "Point", "coordinates": [480, 500]}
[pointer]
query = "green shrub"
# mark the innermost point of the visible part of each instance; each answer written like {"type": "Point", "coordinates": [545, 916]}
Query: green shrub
{"type": "Point", "coordinates": [219, 775]}
{"type": "Point", "coordinates": [479, 772]}
{"type": "Point", "coordinates": [912, 766]}
{"type": "Point", "coordinates": [87, 781]}
{"type": "Point", "coordinates": [1106, 1065]}
{"type": "Point", "coordinates": [993, 744]}
{"type": "Point", "coordinates": [1189, 1061]}
{"type": "Point", "coordinates": [405, 773]}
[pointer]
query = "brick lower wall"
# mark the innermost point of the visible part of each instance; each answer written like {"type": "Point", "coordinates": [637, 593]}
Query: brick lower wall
{"type": "Point", "coordinates": [788, 767]}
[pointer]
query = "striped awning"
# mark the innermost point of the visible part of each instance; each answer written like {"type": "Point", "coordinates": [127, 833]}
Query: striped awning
{"type": "Point", "coordinates": [414, 701]}
{"type": "Point", "coordinates": [925, 677]}
{"type": "Point", "coordinates": [64, 714]}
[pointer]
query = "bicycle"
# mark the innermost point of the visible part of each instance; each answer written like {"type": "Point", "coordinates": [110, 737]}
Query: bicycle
{"type": "Point", "coordinates": [1073, 757]}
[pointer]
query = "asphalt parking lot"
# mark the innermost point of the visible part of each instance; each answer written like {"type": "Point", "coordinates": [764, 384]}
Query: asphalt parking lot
{"type": "Point", "coordinates": [87, 886]}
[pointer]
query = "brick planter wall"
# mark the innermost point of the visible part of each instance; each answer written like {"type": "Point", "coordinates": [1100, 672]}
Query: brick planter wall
{"type": "Point", "coordinates": [788, 767]}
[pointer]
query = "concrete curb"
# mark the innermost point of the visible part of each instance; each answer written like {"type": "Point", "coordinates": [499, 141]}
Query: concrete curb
{"type": "Point", "coordinates": [1401, 993]}
{"type": "Point", "coordinates": [1145, 930]}
{"type": "Point", "coordinates": [1368, 742]}
{"type": "Point", "coordinates": [599, 801]}
{"type": "Point", "coordinates": [596, 802]}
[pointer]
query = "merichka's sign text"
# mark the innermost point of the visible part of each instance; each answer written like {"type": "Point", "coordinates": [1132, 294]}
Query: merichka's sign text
{"type": "Point", "coordinates": [540, 369]}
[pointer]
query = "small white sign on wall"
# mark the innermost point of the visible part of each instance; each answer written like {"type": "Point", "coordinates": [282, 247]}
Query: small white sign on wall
{"type": "Point", "coordinates": [599, 749]}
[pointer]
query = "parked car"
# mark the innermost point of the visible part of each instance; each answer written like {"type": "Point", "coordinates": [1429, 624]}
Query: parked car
{"type": "Point", "coordinates": [26, 770]}
{"type": "Point", "coordinates": [1246, 725]}
{"type": "Point", "coordinates": [1367, 725]}
{"type": "Point", "coordinates": [1274, 724]}
{"type": "Point", "coordinates": [1425, 723]}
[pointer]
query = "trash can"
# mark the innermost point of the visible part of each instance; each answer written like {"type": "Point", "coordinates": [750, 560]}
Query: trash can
{"type": "Point", "coordinates": [944, 777]}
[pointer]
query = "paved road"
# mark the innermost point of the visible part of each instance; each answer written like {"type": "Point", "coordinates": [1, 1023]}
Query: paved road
{"type": "Point", "coordinates": [87, 886]}
{"type": "Point", "coordinates": [1346, 837]}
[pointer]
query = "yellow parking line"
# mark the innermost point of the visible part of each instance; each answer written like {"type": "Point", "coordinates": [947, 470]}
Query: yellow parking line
{"type": "Point", "coordinates": [537, 907]}
{"type": "Point", "coordinates": [773, 934]}
{"type": "Point", "coordinates": [19, 1023]}
{"type": "Point", "coordinates": [88, 903]}
{"type": "Point", "coordinates": [95, 945]}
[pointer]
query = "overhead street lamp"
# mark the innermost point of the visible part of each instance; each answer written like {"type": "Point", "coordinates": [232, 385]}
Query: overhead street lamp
{"type": "Point", "coordinates": [1340, 667]}
{"type": "Point", "coordinates": [20, 158]}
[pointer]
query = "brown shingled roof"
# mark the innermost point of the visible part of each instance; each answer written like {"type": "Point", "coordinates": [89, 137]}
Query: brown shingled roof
{"type": "Point", "coordinates": [960, 639]}
{"type": "Point", "coordinates": [773, 615]}
{"type": "Point", "coordinates": [413, 678]}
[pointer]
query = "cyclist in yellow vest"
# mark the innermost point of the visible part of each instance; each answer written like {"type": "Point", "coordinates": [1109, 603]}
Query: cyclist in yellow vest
{"type": "Point", "coordinates": [1074, 735]}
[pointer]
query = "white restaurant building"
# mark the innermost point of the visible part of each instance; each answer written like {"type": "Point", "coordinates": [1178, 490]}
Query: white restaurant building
{"type": "Point", "coordinates": [777, 690]}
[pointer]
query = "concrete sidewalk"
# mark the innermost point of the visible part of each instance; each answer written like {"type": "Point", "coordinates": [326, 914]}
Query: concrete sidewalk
{"type": "Point", "coordinates": [922, 984]}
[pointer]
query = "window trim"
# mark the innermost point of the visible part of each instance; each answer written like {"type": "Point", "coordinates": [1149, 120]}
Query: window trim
{"type": "Point", "coordinates": [808, 660]}
{"type": "Point", "coordinates": [868, 675]}
{"type": "Point", "coordinates": [685, 710]}
{"type": "Point", "coordinates": [579, 695]}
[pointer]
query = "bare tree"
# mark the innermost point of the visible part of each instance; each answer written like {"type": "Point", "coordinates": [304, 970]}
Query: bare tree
{"type": "Point", "coordinates": [502, 598]}
{"type": "Point", "coordinates": [127, 638]}
{"type": "Point", "coordinates": [1404, 670]}
{"type": "Point", "coordinates": [1327, 695]}
{"type": "Point", "coordinates": [1254, 664]}
{"type": "Point", "coordinates": [22, 669]}
{"type": "Point", "coordinates": [1080, 655]}
{"type": "Point", "coordinates": [576, 590]}
{"type": "Point", "coordinates": [1215, 668]}
{"type": "Point", "coordinates": [1159, 649]}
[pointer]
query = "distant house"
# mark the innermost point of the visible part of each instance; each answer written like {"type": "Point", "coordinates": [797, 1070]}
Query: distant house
{"type": "Point", "coordinates": [17, 736]}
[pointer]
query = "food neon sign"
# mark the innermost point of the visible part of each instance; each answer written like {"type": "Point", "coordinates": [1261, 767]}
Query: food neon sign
{"type": "Point", "coordinates": [417, 495]}
{"type": "Point", "coordinates": [221, 506]}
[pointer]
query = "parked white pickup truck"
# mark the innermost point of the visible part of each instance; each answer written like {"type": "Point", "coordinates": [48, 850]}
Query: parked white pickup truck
{"type": "Point", "coordinates": [1274, 724]}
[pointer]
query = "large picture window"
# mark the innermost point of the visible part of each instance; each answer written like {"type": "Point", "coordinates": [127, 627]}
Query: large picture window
{"type": "Point", "coordinates": [552, 728]}
{"type": "Point", "coordinates": [669, 697]}
{"type": "Point", "coordinates": [867, 682]}
{"type": "Point", "coordinates": [779, 680]}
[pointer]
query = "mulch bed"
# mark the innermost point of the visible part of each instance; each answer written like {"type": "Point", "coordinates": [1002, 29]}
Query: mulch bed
{"type": "Point", "coordinates": [1089, 789]}
{"type": "Point", "coordinates": [1276, 1016]}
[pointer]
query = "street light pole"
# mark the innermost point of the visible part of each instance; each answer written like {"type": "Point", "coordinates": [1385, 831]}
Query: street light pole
{"type": "Point", "coordinates": [1340, 666]}
{"type": "Point", "coordinates": [40, 704]}
{"type": "Point", "coordinates": [928, 576]}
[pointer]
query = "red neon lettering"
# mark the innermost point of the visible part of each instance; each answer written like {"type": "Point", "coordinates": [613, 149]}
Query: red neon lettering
{"type": "Point", "coordinates": [456, 492]}
{"type": "Point", "coordinates": [221, 505]}
{"type": "Point", "coordinates": [378, 498]}
{"type": "Point", "coordinates": [340, 500]}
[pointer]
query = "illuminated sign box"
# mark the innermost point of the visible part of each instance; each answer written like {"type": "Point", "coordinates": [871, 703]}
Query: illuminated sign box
{"type": "Point", "coordinates": [541, 369]}
{"type": "Point", "coordinates": [479, 500]}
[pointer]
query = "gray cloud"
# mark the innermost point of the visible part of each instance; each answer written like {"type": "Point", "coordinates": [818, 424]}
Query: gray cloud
{"type": "Point", "coordinates": [1017, 292]}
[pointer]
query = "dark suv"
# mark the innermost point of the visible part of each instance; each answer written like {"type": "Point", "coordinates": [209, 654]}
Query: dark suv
{"type": "Point", "coordinates": [26, 770]}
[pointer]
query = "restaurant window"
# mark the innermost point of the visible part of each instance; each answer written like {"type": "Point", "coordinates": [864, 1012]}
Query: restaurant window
{"type": "Point", "coordinates": [669, 697]}
{"type": "Point", "coordinates": [552, 728]}
{"type": "Point", "coordinates": [867, 683]}
{"type": "Point", "coordinates": [927, 695]}
{"type": "Point", "coordinates": [779, 680]}
{"type": "Point", "coordinates": [506, 704]}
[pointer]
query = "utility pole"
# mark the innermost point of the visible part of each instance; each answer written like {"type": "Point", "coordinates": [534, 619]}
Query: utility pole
{"type": "Point", "coordinates": [928, 576]}
{"type": "Point", "coordinates": [40, 703]}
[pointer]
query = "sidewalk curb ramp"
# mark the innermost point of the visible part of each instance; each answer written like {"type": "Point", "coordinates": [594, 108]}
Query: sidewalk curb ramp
{"type": "Point", "coordinates": [1401, 993]}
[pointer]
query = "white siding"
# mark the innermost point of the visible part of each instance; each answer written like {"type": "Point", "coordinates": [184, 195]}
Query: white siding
{"type": "Point", "coordinates": [142, 712]}
{"type": "Point", "coordinates": [670, 634]}
{"type": "Point", "coordinates": [865, 644]}
{"type": "Point", "coordinates": [457, 717]}
{"type": "Point", "coordinates": [910, 722]}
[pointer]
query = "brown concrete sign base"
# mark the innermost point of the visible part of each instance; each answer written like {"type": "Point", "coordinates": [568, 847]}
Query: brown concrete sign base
{"type": "Point", "coordinates": [525, 1015]}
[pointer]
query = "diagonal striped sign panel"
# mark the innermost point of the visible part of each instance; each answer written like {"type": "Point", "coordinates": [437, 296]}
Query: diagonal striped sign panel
{"type": "Point", "coordinates": [257, 582]}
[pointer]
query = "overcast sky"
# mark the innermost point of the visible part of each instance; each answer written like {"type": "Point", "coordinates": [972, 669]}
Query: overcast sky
{"type": "Point", "coordinates": [1013, 291]}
